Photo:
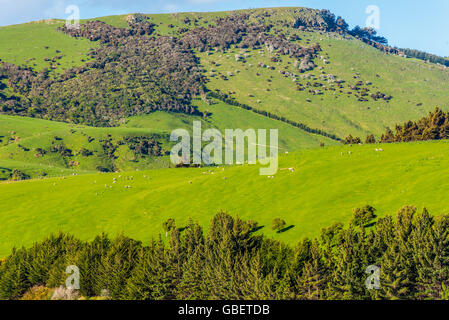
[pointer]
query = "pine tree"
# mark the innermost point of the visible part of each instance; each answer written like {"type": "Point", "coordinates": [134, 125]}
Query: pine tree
{"type": "Point", "coordinates": [312, 280]}
{"type": "Point", "coordinates": [398, 272]}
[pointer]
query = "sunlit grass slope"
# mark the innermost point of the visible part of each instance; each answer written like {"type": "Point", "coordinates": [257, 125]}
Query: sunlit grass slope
{"type": "Point", "coordinates": [324, 188]}
{"type": "Point", "coordinates": [20, 137]}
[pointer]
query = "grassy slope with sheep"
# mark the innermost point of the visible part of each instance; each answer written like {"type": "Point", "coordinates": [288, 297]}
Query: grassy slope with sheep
{"type": "Point", "coordinates": [416, 87]}
{"type": "Point", "coordinates": [326, 185]}
{"type": "Point", "coordinates": [20, 137]}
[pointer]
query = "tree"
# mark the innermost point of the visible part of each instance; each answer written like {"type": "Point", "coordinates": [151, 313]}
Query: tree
{"type": "Point", "coordinates": [388, 137]}
{"type": "Point", "coordinates": [18, 175]}
{"type": "Point", "coordinates": [370, 139]}
{"type": "Point", "coordinates": [362, 216]}
{"type": "Point", "coordinates": [278, 224]}
{"type": "Point", "coordinates": [352, 140]}
{"type": "Point", "coordinates": [168, 226]}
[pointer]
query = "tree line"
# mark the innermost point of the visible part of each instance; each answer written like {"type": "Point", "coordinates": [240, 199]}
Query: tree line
{"type": "Point", "coordinates": [434, 126]}
{"type": "Point", "coordinates": [225, 98]}
{"type": "Point", "coordinates": [418, 54]}
{"type": "Point", "coordinates": [233, 261]}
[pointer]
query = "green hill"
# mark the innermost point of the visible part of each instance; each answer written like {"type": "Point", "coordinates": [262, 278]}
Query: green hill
{"type": "Point", "coordinates": [325, 187]}
{"type": "Point", "coordinates": [21, 138]}
{"type": "Point", "coordinates": [71, 108]}
{"type": "Point", "coordinates": [329, 98]}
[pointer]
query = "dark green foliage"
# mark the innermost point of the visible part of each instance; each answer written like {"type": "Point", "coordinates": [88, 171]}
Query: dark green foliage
{"type": "Point", "coordinates": [278, 224]}
{"type": "Point", "coordinates": [144, 146]}
{"type": "Point", "coordinates": [413, 53]}
{"type": "Point", "coordinates": [168, 226]}
{"type": "Point", "coordinates": [370, 139]}
{"type": "Point", "coordinates": [230, 262]}
{"type": "Point", "coordinates": [61, 149]}
{"type": "Point", "coordinates": [369, 34]}
{"type": "Point", "coordinates": [17, 175]}
{"type": "Point", "coordinates": [363, 216]}
{"type": "Point", "coordinates": [435, 126]}
{"type": "Point", "coordinates": [352, 140]}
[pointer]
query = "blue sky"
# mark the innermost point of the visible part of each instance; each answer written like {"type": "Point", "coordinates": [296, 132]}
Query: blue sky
{"type": "Point", "coordinates": [415, 24]}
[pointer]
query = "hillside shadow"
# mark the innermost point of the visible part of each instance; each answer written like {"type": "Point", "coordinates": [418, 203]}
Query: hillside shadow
{"type": "Point", "coordinates": [257, 228]}
{"type": "Point", "coordinates": [286, 229]}
{"type": "Point", "coordinates": [369, 225]}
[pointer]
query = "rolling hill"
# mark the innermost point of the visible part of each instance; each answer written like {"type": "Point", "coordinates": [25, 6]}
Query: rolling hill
{"type": "Point", "coordinates": [326, 185]}
{"type": "Point", "coordinates": [72, 109]}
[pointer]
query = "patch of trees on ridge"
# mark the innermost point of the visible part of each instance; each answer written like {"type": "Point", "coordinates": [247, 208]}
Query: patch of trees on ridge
{"type": "Point", "coordinates": [413, 53]}
{"type": "Point", "coordinates": [231, 262]}
{"type": "Point", "coordinates": [105, 33]}
{"type": "Point", "coordinates": [324, 20]}
{"type": "Point", "coordinates": [435, 126]}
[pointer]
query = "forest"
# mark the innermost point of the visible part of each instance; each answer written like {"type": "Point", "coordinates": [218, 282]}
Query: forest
{"type": "Point", "coordinates": [233, 262]}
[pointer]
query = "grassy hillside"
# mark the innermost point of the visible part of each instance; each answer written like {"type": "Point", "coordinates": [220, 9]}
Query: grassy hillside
{"type": "Point", "coordinates": [36, 44]}
{"type": "Point", "coordinates": [326, 185]}
{"type": "Point", "coordinates": [416, 87]}
{"type": "Point", "coordinates": [20, 137]}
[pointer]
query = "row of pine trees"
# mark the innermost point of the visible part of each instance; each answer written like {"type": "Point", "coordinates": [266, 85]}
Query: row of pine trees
{"type": "Point", "coordinates": [434, 126]}
{"type": "Point", "coordinates": [232, 261]}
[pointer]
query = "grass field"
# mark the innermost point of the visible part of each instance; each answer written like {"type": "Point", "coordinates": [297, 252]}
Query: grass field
{"type": "Point", "coordinates": [35, 44]}
{"type": "Point", "coordinates": [326, 185]}
{"type": "Point", "coordinates": [21, 136]}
